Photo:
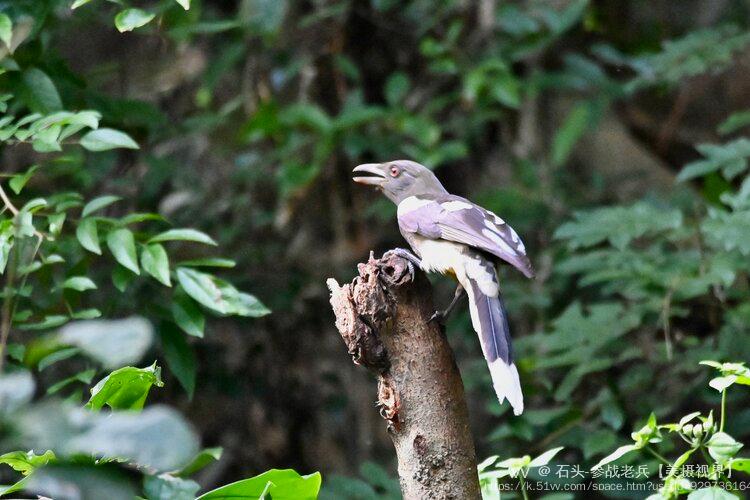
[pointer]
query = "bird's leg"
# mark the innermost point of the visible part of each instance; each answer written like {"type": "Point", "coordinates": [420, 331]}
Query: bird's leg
{"type": "Point", "coordinates": [440, 316]}
{"type": "Point", "coordinates": [411, 259]}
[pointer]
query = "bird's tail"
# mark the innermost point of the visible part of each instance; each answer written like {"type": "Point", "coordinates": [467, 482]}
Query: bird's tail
{"type": "Point", "coordinates": [490, 321]}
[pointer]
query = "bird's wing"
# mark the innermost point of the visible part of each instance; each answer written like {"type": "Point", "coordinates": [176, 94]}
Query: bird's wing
{"type": "Point", "coordinates": [457, 219]}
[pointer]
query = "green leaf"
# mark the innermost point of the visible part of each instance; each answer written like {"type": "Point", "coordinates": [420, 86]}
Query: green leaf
{"type": "Point", "coordinates": [183, 235]}
{"type": "Point", "coordinates": [545, 457]}
{"type": "Point", "coordinates": [125, 388]}
{"type": "Point", "coordinates": [16, 352]}
{"type": "Point", "coordinates": [140, 217]}
{"type": "Point", "coordinates": [79, 283]}
{"type": "Point", "coordinates": [209, 262]}
{"type": "Point", "coordinates": [91, 313]}
{"type": "Point", "coordinates": [188, 315]}
{"type": "Point", "coordinates": [396, 88]}
{"type": "Point", "coordinates": [218, 295]}
{"type": "Point", "coordinates": [279, 484]}
{"type": "Point", "coordinates": [130, 19]}
{"type": "Point", "coordinates": [98, 203]}
{"type": "Point", "coordinates": [184, 3]}
{"type": "Point", "coordinates": [200, 461]}
{"type": "Point", "coordinates": [114, 343]}
{"type": "Point", "coordinates": [728, 230]}
{"type": "Point", "coordinates": [711, 493]}
{"type": "Point", "coordinates": [104, 139]}
{"type": "Point", "coordinates": [306, 116]}
{"type": "Point", "coordinates": [88, 236]}
{"type": "Point", "coordinates": [687, 418]}
{"type": "Point", "coordinates": [18, 181]}
{"type": "Point", "coordinates": [122, 277]}
{"type": "Point", "coordinates": [26, 461]}
{"type": "Point", "coordinates": [155, 262]}
{"type": "Point", "coordinates": [56, 222]}
{"type": "Point", "coordinates": [49, 321]}
{"type": "Point", "coordinates": [6, 31]}
{"type": "Point", "coordinates": [731, 158]}
{"type": "Point", "coordinates": [619, 225]}
{"type": "Point", "coordinates": [722, 447]}
{"type": "Point", "coordinates": [202, 287]}
{"type": "Point", "coordinates": [62, 354]}
{"type": "Point", "coordinates": [575, 125]}
{"type": "Point", "coordinates": [741, 464]}
{"type": "Point", "coordinates": [721, 383]}
{"type": "Point", "coordinates": [179, 356]}
{"type": "Point", "coordinates": [79, 3]}
{"type": "Point", "coordinates": [39, 92]}
{"type": "Point", "coordinates": [121, 243]}
{"type": "Point", "coordinates": [168, 487]}
{"type": "Point", "coordinates": [735, 122]}
{"type": "Point", "coordinates": [84, 377]}
{"type": "Point", "coordinates": [619, 452]}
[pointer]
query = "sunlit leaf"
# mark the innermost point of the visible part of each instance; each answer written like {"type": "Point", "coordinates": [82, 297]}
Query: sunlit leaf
{"type": "Point", "coordinates": [26, 461]}
{"type": "Point", "coordinates": [79, 283]}
{"type": "Point", "coordinates": [104, 139]}
{"type": "Point", "coordinates": [183, 235]}
{"type": "Point", "coordinates": [154, 261]}
{"type": "Point", "coordinates": [6, 30]}
{"type": "Point", "coordinates": [121, 243]}
{"type": "Point", "coordinates": [125, 388]}
{"type": "Point", "coordinates": [88, 235]}
{"type": "Point", "coordinates": [98, 203]}
{"type": "Point", "coordinates": [279, 484]}
{"type": "Point", "coordinates": [130, 19]}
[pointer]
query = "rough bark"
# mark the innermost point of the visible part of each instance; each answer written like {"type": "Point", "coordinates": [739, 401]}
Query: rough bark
{"type": "Point", "coordinates": [382, 318]}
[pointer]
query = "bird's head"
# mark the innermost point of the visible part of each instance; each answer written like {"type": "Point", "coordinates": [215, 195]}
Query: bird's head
{"type": "Point", "coordinates": [399, 179]}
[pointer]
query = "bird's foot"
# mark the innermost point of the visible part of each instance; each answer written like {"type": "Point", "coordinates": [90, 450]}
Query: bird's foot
{"type": "Point", "coordinates": [441, 316]}
{"type": "Point", "coordinates": [438, 317]}
{"type": "Point", "coordinates": [412, 261]}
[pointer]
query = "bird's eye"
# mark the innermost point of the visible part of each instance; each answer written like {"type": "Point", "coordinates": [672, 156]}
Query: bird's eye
{"type": "Point", "coordinates": [395, 171]}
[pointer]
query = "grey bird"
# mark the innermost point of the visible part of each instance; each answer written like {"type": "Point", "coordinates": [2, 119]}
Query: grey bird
{"type": "Point", "coordinates": [453, 236]}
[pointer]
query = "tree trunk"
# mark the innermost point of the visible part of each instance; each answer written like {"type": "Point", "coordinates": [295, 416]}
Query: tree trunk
{"type": "Point", "coordinates": [383, 319]}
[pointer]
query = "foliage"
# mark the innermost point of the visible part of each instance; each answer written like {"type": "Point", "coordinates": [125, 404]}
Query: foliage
{"type": "Point", "coordinates": [490, 471]}
{"type": "Point", "coordinates": [702, 434]}
{"type": "Point", "coordinates": [51, 260]}
{"type": "Point", "coordinates": [243, 119]}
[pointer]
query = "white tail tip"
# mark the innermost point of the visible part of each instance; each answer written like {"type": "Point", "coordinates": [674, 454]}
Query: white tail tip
{"type": "Point", "coordinates": [507, 384]}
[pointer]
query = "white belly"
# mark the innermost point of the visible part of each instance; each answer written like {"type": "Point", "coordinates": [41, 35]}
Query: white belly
{"type": "Point", "coordinates": [446, 257]}
{"type": "Point", "coordinates": [440, 256]}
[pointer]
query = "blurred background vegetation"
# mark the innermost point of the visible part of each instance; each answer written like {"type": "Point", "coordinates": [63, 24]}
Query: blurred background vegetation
{"type": "Point", "coordinates": [610, 134]}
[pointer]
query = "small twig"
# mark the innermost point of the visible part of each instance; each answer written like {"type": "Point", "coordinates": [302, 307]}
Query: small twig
{"type": "Point", "coordinates": [723, 409]}
{"type": "Point", "coordinates": [7, 310]}
{"type": "Point", "coordinates": [7, 202]}
{"type": "Point", "coordinates": [657, 455]}
{"type": "Point", "coordinates": [9, 305]}
{"type": "Point", "coordinates": [12, 208]}
{"type": "Point", "coordinates": [523, 488]}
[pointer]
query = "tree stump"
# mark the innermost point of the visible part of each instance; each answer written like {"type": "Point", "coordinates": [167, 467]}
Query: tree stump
{"type": "Point", "coordinates": [382, 317]}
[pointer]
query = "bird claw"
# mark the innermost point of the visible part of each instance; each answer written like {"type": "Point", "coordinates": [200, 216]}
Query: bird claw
{"type": "Point", "coordinates": [438, 317]}
{"type": "Point", "coordinates": [412, 260]}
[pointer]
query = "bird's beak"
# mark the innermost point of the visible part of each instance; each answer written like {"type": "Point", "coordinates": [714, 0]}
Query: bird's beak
{"type": "Point", "coordinates": [377, 178]}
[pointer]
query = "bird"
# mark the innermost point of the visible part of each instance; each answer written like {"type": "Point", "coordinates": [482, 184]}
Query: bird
{"type": "Point", "coordinates": [453, 236]}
